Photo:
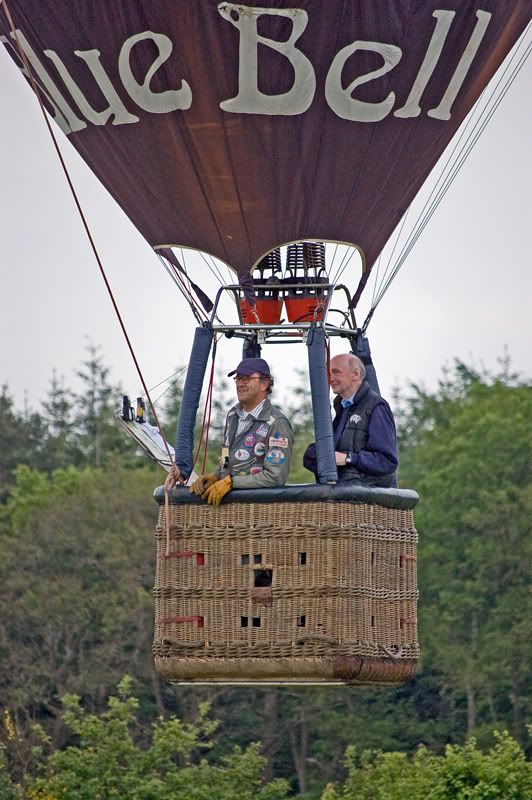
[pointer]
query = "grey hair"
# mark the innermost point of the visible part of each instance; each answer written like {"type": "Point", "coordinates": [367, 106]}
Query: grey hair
{"type": "Point", "coordinates": [270, 384]}
{"type": "Point", "coordinates": [356, 363]}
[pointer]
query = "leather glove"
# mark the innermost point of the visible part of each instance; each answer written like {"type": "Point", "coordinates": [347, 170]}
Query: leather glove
{"type": "Point", "coordinates": [215, 493]}
{"type": "Point", "coordinates": [202, 483]}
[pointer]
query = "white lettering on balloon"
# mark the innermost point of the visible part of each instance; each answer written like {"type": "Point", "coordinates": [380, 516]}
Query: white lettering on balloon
{"type": "Point", "coordinates": [155, 102]}
{"type": "Point", "coordinates": [115, 108]}
{"type": "Point", "coordinates": [62, 112]}
{"type": "Point", "coordinates": [443, 22]}
{"type": "Point", "coordinates": [250, 100]}
{"type": "Point", "coordinates": [341, 101]}
{"type": "Point", "coordinates": [443, 111]}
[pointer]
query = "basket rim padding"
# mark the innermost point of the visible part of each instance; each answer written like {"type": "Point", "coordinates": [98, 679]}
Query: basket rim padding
{"type": "Point", "coordinates": [344, 492]}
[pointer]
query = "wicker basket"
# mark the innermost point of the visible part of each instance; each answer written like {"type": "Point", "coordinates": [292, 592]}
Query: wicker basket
{"type": "Point", "coordinates": [286, 591]}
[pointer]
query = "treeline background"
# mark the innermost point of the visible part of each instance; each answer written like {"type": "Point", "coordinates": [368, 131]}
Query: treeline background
{"type": "Point", "coordinates": [77, 569]}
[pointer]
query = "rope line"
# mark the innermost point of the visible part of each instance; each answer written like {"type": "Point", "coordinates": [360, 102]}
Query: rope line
{"type": "Point", "coordinates": [208, 400]}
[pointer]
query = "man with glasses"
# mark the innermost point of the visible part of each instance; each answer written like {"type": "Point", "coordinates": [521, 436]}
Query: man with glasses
{"type": "Point", "coordinates": [258, 438]}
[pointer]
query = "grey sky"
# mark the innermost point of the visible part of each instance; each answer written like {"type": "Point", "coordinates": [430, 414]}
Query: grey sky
{"type": "Point", "coordinates": [465, 290]}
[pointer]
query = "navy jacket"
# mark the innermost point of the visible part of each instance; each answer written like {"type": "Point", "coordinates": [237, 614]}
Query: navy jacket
{"type": "Point", "coordinates": [365, 430]}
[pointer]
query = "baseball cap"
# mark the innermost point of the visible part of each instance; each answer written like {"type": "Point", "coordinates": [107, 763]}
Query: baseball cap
{"type": "Point", "coordinates": [250, 365]}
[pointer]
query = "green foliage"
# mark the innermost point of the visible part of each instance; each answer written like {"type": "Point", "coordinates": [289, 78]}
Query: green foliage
{"type": "Point", "coordinates": [34, 489]}
{"type": "Point", "coordinates": [462, 773]}
{"type": "Point", "coordinates": [76, 573]}
{"type": "Point", "coordinates": [8, 790]}
{"type": "Point", "coordinates": [20, 440]}
{"type": "Point", "coordinates": [109, 762]}
{"type": "Point", "coordinates": [469, 456]}
{"type": "Point", "coordinates": [98, 436]}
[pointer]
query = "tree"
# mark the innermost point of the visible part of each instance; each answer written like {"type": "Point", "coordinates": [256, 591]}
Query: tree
{"type": "Point", "coordinates": [462, 773]}
{"type": "Point", "coordinates": [110, 762]}
{"type": "Point", "coordinates": [60, 448]}
{"type": "Point", "coordinates": [76, 577]}
{"type": "Point", "coordinates": [469, 456]}
{"type": "Point", "coordinates": [98, 435]}
{"type": "Point", "coordinates": [21, 437]}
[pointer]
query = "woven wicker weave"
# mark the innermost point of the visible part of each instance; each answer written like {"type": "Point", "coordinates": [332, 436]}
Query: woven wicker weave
{"type": "Point", "coordinates": [341, 606]}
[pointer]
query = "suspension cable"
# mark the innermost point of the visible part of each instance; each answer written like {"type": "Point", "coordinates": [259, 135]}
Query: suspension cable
{"type": "Point", "coordinates": [176, 375]}
{"type": "Point", "coordinates": [172, 272]}
{"type": "Point", "coordinates": [453, 165]}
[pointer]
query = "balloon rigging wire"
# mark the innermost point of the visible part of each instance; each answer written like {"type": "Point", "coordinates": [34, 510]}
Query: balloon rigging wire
{"type": "Point", "coordinates": [171, 271]}
{"type": "Point", "coordinates": [176, 375]}
{"type": "Point", "coordinates": [214, 268]}
{"type": "Point", "coordinates": [349, 253]}
{"type": "Point", "coordinates": [377, 270]}
{"type": "Point", "coordinates": [230, 276]}
{"type": "Point", "coordinates": [449, 173]}
{"type": "Point", "coordinates": [333, 257]}
{"type": "Point", "coordinates": [377, 291]}
{"type": "Point", "coordinates": [183, 262]}
{"type": "Point", "coordinates": [34, 86]}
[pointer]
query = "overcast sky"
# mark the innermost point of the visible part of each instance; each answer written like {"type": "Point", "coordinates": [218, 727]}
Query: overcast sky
{"type": "Point", "coordinates": [465, 291]}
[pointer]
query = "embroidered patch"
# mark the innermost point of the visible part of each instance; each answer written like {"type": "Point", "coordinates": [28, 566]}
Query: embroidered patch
{"type": "Point", "coordinates": [355, 418]}
{"type": "Point", "coordinates": [276, 457]}
{"type": "Point", "coordinates": [255, 470]}
{"type": "Point", "coordinates": [262, 430]}
{"type": "Point", "coordinates": [250, 440]}
{"type": "Point", "coordinates": [242, 455]}
{"type": "Point", "coordinates": [278, 441]}
{"type": "Point", "coordinates": [224, 455]}
{"type": "Point", "coordinates": [259, 449]}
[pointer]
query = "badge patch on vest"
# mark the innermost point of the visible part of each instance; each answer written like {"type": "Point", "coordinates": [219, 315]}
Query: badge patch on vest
{"type": "Point", "coordinates": [262, 430]}
{"type": "Point", "coordinates": [250, 440]}
{"type": "Point", "coordinates": [278, 441]}
{"type": "Point", "coordinates": [276, 457]}
{"type": "Point", "coordinates": [255, 470]}
{"type": "Point", "coordinates": [355, 418]}
{"type": "Point", "coordinates": [224, 456]}
{"type": "Point", "coordinates": [259, 449]}
{"type": "Point", "coordinates": [242, 455]}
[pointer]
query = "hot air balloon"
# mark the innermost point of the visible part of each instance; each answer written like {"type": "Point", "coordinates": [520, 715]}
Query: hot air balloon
{"type": "Point", "coordinates": [256, 133]}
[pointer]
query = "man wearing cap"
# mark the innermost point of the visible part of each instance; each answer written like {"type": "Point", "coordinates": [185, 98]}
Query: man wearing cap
{"type": "Point", "coordinates": [364, 428]}
{"type": "Point", "coordinates": [258, 438]}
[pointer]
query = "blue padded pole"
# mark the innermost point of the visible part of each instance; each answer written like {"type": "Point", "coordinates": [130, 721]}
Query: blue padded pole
{"type": "Point", "coordinates": [319, 388]}
{"type": "Point", "coordinates": [184, 447]}
{"type": "Point", "coordinates": [361, 349]}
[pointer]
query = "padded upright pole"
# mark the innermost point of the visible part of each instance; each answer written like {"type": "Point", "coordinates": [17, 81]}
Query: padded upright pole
{"type": "Point", "coordinates": [184, 447]}
{"type": "Point", "coordinates": [251, 348]}
{"type": "Point", "coordinates": [319, 387]}
{"type": "Point", "coordinates": [361, 349]}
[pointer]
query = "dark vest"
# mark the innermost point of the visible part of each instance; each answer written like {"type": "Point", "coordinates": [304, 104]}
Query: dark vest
{"type": "Point", "coordinates": [354, 436]}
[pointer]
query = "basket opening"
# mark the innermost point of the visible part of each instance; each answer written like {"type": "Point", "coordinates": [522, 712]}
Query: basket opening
{"type": "Point", "coordinates": [263, 577]}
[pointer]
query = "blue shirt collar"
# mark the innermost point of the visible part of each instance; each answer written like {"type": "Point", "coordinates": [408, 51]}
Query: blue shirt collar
{"type": "Point", "coordinates": [345, 402]}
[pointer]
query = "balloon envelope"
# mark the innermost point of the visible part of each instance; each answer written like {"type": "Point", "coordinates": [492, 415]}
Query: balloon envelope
{"type": "Point", "coordinates": [235, 128]}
